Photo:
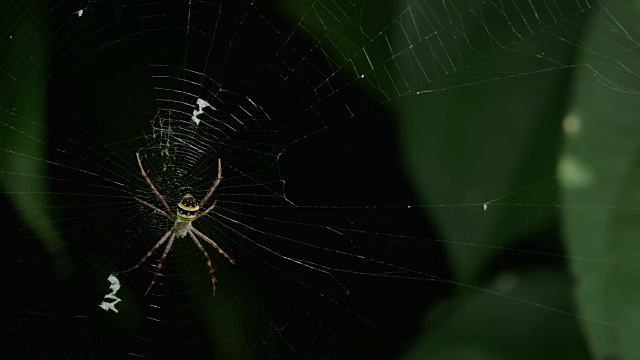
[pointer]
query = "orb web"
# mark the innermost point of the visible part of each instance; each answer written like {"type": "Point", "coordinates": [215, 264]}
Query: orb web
{"type": "Point", "coordinates": [332, 201]}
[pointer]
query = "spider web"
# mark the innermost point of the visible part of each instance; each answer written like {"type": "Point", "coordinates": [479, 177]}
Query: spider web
{"type": "Point", "coordinates": [316, 109]}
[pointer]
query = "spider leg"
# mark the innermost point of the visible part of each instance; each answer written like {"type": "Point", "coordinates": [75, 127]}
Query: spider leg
{"type": "Point", "coordinates": [214, 186]}
{"type": "Point", "coordinates": [161, 212]}
{"type": "Point", "coordinates": [157, 245]}
{"type": "Point", "coordinates": [155, 191]}
{"type": "Point", "coordinates": [213, 279]}
{"type": "Point", "coordinates": [206, 211]}
{"type": "Point", "coordinates": [205, 238]}
{"type": "Point", "coordinates": [159, 266]}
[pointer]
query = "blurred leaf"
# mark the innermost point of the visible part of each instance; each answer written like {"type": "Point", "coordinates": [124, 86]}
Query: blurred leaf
{"type": "Point", "coordinates": [599, 175]}
{"type": "Point", "coordinates": [224, 313]}
{"type": "Point", "coordinates": [350, 34]}
{"type": "Point", "coordinates": [480, 152]}
{"type": "Point", "coordinates": [484, 325]}
{"type": "Point", "coordinates": [483, 132]}
{"type": "Point", "coordinates": [23, 114]}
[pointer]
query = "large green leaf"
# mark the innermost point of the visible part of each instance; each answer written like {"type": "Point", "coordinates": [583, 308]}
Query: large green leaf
{"type": "Point", "coordinates": [481, 135]}
{"type": "Point", "coordinates": [23, 115]}
{"type": "Point", "coordinates": [600, 175]}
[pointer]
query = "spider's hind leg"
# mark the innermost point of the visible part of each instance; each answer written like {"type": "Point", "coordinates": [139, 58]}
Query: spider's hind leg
{"type": "Point", "coordinates": [207, 239]}
{"type": "Point", "coordinates": [159, 266]}
{"type": "Point", "coordinates": [154, 248]}
{"type": "Point", "coordinates": [213, 279]}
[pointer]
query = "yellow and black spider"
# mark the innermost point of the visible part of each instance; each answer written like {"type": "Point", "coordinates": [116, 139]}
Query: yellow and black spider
{"type": "Point", "coordinates": [188, 211]}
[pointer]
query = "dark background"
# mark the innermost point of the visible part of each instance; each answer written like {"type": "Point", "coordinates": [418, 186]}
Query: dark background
{"type": "Point", "coordinates": [360, 229]}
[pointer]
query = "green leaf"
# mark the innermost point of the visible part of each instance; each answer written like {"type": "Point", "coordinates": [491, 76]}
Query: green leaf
{"type": "Point", "coordinates": [349, 33]}
{"type": "Point", "coordinates": [484, 133]}
{"type": "Point", "coordinates": [599, 174]}
{"type": "Point", "coordinates": [485, 325]}
{"type": "Point", "coordinates": [23, 118]}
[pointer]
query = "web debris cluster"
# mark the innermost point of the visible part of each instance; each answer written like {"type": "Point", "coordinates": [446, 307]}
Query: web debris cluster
{"type": "Point", "coordinates": [201, 105]}
{"type": "Point", "coordinates": [114, 287]}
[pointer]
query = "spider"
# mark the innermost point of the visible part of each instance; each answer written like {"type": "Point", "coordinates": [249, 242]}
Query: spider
{"type": "Point", "coordinates": [187, 212]}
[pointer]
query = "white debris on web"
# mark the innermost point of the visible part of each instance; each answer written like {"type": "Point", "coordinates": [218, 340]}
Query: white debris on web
{"type": "Point", "coordinates": [201, 105]}
{"type": "Point", "coordinates": [484, 207]}
{"type": "Point", "coordinates": [114, 287]}
{"type": "Point", "coordinates": [80, 12]}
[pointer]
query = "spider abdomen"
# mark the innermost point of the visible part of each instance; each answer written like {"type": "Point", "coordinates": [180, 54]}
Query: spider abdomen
{"type": "Point", "coordinates": [188, 208]}
{"type": "Point", "coordinates": [186, 213]}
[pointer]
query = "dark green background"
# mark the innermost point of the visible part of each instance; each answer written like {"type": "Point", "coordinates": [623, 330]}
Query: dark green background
{"type": "Point", "coordinates": [519, 154]}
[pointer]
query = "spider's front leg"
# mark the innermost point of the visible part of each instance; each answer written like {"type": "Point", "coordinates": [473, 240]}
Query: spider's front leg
{"type": "Point", "coordinates": [206, 211]}
{"type": "Point", "coordinates": [161, 212]}
{"type": "Point", "coordinates": [153, 188]}
{"type": "Point", "coordinates": [214, 186]}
